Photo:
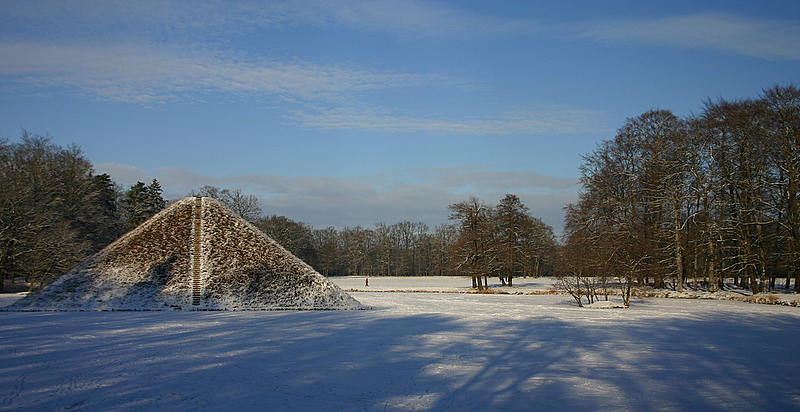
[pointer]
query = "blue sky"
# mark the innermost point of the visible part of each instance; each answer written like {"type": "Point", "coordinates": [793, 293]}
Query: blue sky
{"type": "Point", "coordinates": [352, 112]}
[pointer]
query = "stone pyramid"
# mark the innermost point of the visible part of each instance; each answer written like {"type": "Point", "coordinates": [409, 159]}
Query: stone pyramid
{"type": "Point", "coordinates": [194, 255]}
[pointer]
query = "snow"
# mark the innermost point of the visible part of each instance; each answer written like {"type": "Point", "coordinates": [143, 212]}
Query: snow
{"type": "Point", "coordinates": [7, 299]}
{"type": "Point", "coordinates": [412, 351]}
{"type": "Point", "coordinates": [439, 284]}
{"type": "Point", "coordinates": [603, 304]}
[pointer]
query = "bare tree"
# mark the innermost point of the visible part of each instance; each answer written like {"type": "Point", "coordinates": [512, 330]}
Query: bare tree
{"type": "Point", "coordinates": [628, 216]}
{"type": "Point", "coordinates": [296, 237]}
{"type": "Point", "coordinates": [513, 226]}
{"type": "Point", "coordinates": [575, 275]}
{"type": "Point", "coordinates": [474, 249]}
{"type": "Point", "coordinates": [357, 244]}
{"type": "Point", "coordinates": [710, 198]}
{"type": "Point", "coordinates": [50, 213]}
{"type": "Point", "coordinates": [327, 250]}
{"type": "Point", "coordinates": [385, 249]}
{"type": "Point", "coordinates": [780, 117]}
{"type": "Point", "coordinates": [246, 206]}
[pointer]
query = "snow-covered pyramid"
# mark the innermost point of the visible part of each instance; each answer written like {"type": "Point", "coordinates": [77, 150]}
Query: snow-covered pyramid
{"type": "Point", "coordinates": [195, 254]}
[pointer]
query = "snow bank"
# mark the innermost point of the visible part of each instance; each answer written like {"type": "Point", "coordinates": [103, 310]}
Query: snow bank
{"type": "Point", "coordinates": [732, 293]}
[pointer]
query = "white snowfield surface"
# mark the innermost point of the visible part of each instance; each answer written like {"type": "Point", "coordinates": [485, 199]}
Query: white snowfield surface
{"type": "Point", "coordinates": [412, 351]}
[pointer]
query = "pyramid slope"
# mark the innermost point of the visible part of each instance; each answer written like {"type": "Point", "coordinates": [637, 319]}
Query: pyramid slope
{"type": "Point", "coordinates": [194, 255]}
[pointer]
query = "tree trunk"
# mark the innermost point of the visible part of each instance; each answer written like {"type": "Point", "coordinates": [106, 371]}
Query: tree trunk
{"type": "Point", "coordinates": [712, 269]}
{"type": "Point", "coordinates": [678, 248]}
{"type": "Point", "coordinates": [479, 280]}
{"type": "Point", "coordinates": [626, 293]}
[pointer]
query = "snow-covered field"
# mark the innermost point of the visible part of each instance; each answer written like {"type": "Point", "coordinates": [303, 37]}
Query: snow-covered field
{"type": "Point", "coordinates": [437, 284]}
{"type": "Point", "coordinates": [413, 351]}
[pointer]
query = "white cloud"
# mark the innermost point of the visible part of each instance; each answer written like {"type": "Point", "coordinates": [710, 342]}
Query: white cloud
{"type": "Point", "coordinates": [770, 39]}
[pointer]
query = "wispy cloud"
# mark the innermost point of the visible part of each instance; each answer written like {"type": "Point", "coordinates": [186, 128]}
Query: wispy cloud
{"type": "Point", "coordinates": [327, 94]}
{"type": "Point", "coordinates": [770, 39]}
{"type": "Point", "coordinates": [531, 120]}
{"type": "Point", "coordinates": [152, 53]}
{"type": "Point", "coordinates": [148, 75]}
{"type": "Point", "coordinates": [406, 18]}
{"type": "Point", "coordinates": [190, 21]}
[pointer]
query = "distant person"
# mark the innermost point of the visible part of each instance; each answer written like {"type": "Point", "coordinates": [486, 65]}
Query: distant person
{"type": "Point", "coordinates": [366, 282]}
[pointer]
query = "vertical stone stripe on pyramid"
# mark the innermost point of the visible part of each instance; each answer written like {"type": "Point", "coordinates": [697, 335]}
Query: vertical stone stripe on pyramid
{"type": "Point", "coordinates": [196, 249]}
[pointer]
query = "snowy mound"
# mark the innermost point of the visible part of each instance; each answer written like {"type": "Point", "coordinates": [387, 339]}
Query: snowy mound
{"type": "Point", "coordinates": [194, 255]}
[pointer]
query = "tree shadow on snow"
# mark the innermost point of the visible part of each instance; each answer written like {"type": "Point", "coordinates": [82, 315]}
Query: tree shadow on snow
{"type": "Point", "coordinates": [354, 361]}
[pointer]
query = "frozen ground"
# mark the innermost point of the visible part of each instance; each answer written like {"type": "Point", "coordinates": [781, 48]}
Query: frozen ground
{"type": "Point", "coordinates": [413, 351]}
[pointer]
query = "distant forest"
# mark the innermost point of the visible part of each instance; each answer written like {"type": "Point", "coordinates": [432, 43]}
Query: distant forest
{"type": "Point", "coordinates": [687, 202]}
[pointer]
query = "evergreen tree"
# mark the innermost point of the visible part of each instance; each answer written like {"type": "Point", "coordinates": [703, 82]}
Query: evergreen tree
{"type": "Point", "coordinates": [141, 202]}
{"type": "Point", "coordinates": [154, 201]}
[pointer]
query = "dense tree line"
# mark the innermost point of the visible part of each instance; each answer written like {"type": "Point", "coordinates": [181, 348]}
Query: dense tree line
{"type": "Point", "coordinates": [691, 202]}
{"type": "Point", "coordinates": [54, 211]}
{"type": "Point", "coordinates": [401, 249]}
{"type": "Point", "coordinates": [503, 240]}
